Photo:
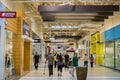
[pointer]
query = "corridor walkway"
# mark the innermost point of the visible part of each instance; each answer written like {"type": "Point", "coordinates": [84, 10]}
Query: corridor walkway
{"type": "Point", "coordinates": [97, 73]}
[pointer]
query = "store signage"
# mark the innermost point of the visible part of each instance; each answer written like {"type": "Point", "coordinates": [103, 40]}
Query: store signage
{"type": "Point", "coordinates": [37, 40]}
{"type": "Point", "coordinates": [26, 29]}
{"type": "Point", "coordinates": [7, 14]}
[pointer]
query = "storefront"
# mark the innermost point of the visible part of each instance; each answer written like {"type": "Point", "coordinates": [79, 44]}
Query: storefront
{"type": "Point", "coordinates": [2, 44]}
{"type": "Point", "coordinates": [27, 45]}
{"type": "Point", "coordinates": [8, 25]}
{"type": "Point", "coordinates": [112, 48]}
{"type": "Point", "coordinates": [36, 45]}
{"type": "Point", "coordinates": [84, 46]}
{"type": "Point", "coordinates": [9, 62]}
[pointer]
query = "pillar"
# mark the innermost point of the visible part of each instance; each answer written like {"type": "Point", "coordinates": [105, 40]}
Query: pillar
{"type": "Point", "coordinates": [18, 53]}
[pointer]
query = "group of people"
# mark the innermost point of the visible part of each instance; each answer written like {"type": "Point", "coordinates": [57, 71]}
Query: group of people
{"type": "Point", "coordinates": [61, 61]}
{"type": "Point", "coordinates": [86, 59]}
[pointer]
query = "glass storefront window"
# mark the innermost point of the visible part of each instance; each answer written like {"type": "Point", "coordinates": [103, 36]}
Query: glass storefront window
{"type": "Point", "coordinates": [117, 54]}
{"type": "Point", "coordinates": [109, 54]}
{"type": "Point", "coordinates": [9, 65]}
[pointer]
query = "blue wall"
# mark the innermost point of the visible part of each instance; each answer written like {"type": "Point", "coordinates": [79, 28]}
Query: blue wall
{"type": "Point", "coordinates": [2, 44]}
{"type": "Point", "coordinates": [112, 34]}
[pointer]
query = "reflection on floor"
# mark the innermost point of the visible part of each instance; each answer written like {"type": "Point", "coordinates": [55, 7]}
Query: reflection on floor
{"type": "Point", "coordinates": [97, 73]}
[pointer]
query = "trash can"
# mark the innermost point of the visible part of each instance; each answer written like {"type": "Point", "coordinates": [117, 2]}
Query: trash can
{"type": "Point", "coordinates": [81, 73]}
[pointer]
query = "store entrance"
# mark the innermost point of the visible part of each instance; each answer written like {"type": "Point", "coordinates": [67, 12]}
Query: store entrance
{"type": "Point", "coordinates": [27, 55]}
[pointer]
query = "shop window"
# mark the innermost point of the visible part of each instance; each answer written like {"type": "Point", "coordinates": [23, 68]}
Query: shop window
{"type": "Point", "coordinates": [9, 65]}
{"type": "Point", "coordinates": [117, 54]}
{"type": "Point", "coordinates": [109, 54]}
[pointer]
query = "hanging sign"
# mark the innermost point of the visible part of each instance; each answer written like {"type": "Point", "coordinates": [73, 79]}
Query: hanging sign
{"type": "Point", "coordinates": [37, 40]}
{"type": "Point", "coordinates": [7, 14]}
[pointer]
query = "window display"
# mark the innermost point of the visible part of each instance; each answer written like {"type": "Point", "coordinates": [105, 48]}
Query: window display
{"type": "Point", "coordinates": [9, 65]}
{"type": "Point", "coordinates": [109, 54]}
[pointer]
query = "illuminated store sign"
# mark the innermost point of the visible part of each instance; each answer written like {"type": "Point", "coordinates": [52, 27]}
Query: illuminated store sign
{"type": "Point", "coordinates": [37, 40]}
{"type": "Point", "coordinates": [7, 14]}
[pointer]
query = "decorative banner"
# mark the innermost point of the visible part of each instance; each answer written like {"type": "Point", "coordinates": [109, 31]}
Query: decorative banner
{"type": "Point", "coordinates": [7, 14]}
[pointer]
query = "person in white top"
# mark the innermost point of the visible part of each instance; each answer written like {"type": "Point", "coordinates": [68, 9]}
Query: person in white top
{"type": "Point", "coordinates": [86, 61]}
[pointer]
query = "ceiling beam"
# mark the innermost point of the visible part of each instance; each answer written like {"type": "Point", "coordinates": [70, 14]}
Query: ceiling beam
{"type": "Point", "coordinates": [74, 37]}
{"type": "Point", "coordinates": [80, 9]}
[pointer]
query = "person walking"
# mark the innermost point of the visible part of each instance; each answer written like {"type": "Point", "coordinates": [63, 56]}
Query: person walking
{"type": "Point", "coordinates": [75, 62]}
{"type": "Point", "coordinates": [60, 64]}
{"type": "Point", "coordinates": [50, 59]}
{"type": "Point", "coordinates": [66, 60]}
{"type": "Point", "coordinates": [91, 60]}
{"type": "Point", "coordinates": [86, 61]}
{"type": "Point", "coordinates": [55, 60]}
{"type": "Point", "coordinates": [36, 59]}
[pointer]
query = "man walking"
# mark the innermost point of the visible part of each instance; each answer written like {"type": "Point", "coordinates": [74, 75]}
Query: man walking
{"type": "Point", "coordinates": [66, 60]}
{"type": "Point", "coordinates": [50, 59]}
{"type": "Point", "coordinates": [36, 60]}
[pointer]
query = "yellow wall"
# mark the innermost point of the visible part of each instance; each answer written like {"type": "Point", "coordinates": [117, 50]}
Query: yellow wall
{"type": "Point", "coordinates": [27, 56]}
{"type": "Point", "coordinates": [97, 47]}
{"type": "Point", "coordinates": [99, 53]}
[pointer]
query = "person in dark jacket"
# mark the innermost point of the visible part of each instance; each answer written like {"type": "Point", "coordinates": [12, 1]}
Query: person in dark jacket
{"type": "Point", "coordinates": [36, 60]}
{"type": "Point", "coordinates": [66, 60]}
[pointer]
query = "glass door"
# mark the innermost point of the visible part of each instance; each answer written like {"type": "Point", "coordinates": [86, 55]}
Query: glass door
{"type": "Point", "coordinates": [109, 54]}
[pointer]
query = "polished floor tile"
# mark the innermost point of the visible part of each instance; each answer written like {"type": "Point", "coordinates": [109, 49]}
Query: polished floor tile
{"type": "Point", "coordinates": [97, 73]}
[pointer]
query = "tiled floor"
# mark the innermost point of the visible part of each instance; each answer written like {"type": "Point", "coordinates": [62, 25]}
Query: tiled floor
{"type": "Point", "coordinates": [97, 73]}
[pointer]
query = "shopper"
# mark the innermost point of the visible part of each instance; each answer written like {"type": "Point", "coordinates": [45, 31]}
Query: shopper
{"type": "Point", "coordinates": [75, 62]}
{"type": "Point", "coordinates": [55, 60]}
{"type": "Point", "coordinates": [91, 60]}
{"type": "Point", "coordinates": [86, 61]}
{"type": "Point", "coordinates": [60, 64]}
{"type": "Point", "coordinates": [71, 68]}
{"type": "Point", "coordinates": [36, 60]}
{"type": "Point", "coordinates": [50, 59]}
{"type": "Point", "coordinates": [66, 60]}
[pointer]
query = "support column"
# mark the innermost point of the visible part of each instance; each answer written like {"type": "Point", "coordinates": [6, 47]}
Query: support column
{"type": "Point", "coordinates": [43, 51]}
{"type": "Point", "coordinates": [18, 46]}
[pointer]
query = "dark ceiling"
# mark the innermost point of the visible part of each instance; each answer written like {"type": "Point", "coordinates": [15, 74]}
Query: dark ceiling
{"type": "Point", "coordinates": [72, 12]}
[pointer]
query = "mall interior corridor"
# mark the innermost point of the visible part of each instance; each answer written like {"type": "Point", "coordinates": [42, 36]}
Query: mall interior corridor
{"type": "Point", "coordinates": [62, 32]}
{"type": "Point", "coordinates": [97, 73]}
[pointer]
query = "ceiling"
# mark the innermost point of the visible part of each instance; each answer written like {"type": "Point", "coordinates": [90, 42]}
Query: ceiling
{"type": "Point", "coordinates": [66, 19]}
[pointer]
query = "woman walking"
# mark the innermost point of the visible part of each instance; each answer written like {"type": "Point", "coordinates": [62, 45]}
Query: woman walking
{"type": "Point", "coordinates": [91, 60]}
{"type": "Point", "coordinates": [60, 64]}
